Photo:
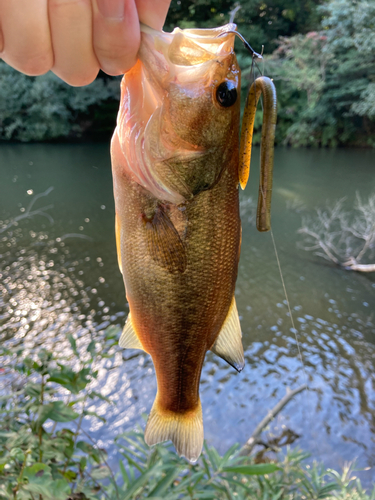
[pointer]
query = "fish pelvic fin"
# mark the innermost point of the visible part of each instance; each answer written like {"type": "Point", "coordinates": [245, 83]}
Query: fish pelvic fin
{"type": "Point", "coordinates": [228, 344]}
{"type": "Point", "coordinates": [129, 339]}
{"type": "Point", "coordinates": [185, 430]}
{"type": "Point", "coordinates": [164, 243]}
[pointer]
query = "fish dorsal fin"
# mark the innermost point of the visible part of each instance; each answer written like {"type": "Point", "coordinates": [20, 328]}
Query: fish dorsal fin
{"type": "Point", "coordinates": [228, 344]}
{"type": "Point", "coordinates": [129, 339]}
{"type": "Point", "coordinates": [164, 243]}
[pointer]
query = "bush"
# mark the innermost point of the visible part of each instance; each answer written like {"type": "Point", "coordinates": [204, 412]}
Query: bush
{"type": "Point", "coordinates": [45, 108]}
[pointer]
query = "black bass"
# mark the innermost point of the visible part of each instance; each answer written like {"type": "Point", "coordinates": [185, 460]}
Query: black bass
{"type": "Point", "coordinates": [176, 172]}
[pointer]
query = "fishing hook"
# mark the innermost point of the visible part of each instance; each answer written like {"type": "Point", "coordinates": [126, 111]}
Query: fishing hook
{"type": "Point", "coordinates": [247, 46]}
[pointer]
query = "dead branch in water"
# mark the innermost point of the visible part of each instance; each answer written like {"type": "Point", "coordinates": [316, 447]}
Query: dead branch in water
{"type": "Point", "coordinates": [254, 438]}
{"type": "Point", "coordinates": [342, 237]}
{"type": "Point", "coordinates": [30, 213]}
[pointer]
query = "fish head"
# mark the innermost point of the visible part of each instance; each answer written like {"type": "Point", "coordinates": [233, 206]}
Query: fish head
{"type": "Point", "coordinates": [178, 125]}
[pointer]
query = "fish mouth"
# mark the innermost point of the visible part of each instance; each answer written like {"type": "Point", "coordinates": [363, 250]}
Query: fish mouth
{"type": "Point", "coordinates": [183, 56]}
{"type": "Point", "coordinates": [190, 47]}
{"type": "Point", "coordinates": [187, 59]}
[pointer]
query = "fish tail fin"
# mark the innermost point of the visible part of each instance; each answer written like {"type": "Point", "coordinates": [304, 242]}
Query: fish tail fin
{"type": "Point", "coordinates": [185, 430]}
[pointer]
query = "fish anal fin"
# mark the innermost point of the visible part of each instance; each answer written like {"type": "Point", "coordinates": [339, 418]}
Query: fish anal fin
{"type": "Point", "coordinates": [185, 430]}
{"type": "Point", "coordinates": [164, 243]}
{"type": "Point", "coordinates": [129, 339]}
{"type": "Point", "coordinates": [228, 344]}
{"type": "Point", "coordinates": [118, 241]}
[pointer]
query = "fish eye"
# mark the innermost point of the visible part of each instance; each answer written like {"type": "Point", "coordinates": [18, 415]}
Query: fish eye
{"type": "Point", "coordinates": [226, 94]}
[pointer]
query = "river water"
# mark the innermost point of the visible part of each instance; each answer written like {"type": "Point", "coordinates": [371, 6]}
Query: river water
{"type": "Point", "coordinates": [59, 275]}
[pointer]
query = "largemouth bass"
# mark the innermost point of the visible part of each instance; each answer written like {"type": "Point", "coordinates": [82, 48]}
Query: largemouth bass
{"type": "Point", "coordinates": [176, 173]}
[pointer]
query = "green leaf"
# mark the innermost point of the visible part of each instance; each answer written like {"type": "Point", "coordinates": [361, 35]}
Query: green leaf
{"type": "Point", "coordinates": [82, 464]}
{"type": "Point", "coordinates": [112, 332]}
{"type": "Point", "coordinates": [73, 381]}
{"type": "Point", "coordinates": [229, 453]}
{"type": "Point", "coordinates": [94, 414]}
{"type": "Point", "coordinates": [253, 469]}
{"type": "Point", "coordinates": [38, 479]}
{"type": "Point", "coordinates": [18, 454]}
{"type": "Point", "coordinates": [73, 344]}
{"type": "Point", "coordinates": [69, 474]}
{"type": "Point", "coordinates": [57, 411]}
{"type": "Point", "coordinates": [43, 414]}
{"type": "Point", "coordinates": [94, 394]}
{"type": "Point", "coordinates": [211, 456]}
{"type": "Point", "coordinates": [29, 363]}
{"type": "Point", "coordinates": [100, 472]}
{"type": "Point", "coordinates": [240, 484]}
{"type": "Point", "coordinates": [124, 474]}
{"type": "Point", "coordinates": [206, 466]}
{"type": "Point", "coordinates": [90, 450]}
{"type": "Point", "coordinates": [165, 482]}
{"type": "Point", "coordinates": [33, 390]}
{"type": "Point", "coordinates": [60, 490]}
{"type": "Point", "coordinates": [327, 488]}
{"type": "Point", "coordinates": [131, 461]}
{"type": "Point", "coordinates": [139, 483]}
{"type": "Point", "coordinates": [91, 347]}
{"type": "Point", "coordinates": [191, 481]}
{"type": "Point", "coordinates": [206, 495]}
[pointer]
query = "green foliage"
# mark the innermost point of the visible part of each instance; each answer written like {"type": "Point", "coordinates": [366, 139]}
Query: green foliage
{"type": "Point", "coordinates": [260, 21]}
{"type": "Point", "coordinates": [323, 65]}
{"type": "Point", "coordinates": [325, 79]}
{"type": "Point", "coordinates": [46, 455]}
{"type": "Point", "coordinates": [45, 108]}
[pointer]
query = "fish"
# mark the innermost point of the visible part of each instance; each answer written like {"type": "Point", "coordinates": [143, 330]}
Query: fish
{"type": "Point", "coordinates": [176, 173]}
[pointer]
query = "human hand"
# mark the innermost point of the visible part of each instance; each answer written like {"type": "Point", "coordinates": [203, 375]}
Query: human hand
{"type": "Point", "coordinates": [75, 38]}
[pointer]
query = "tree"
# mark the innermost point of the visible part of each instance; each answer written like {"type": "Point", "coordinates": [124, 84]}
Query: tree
{"type": "Point", "coordinates": [327, 79]}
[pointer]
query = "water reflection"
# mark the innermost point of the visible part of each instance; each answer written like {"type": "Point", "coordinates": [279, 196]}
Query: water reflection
{"type": "Point", "coordinates": [61, 278]}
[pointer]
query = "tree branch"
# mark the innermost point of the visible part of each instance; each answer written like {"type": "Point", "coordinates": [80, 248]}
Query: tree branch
{"type": "Point", "coordinates": [253, 439]}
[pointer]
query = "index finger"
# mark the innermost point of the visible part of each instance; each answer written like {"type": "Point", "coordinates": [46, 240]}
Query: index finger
{"type": "Point", "coordinates": [116, 34]}
{"type": "Point", "coordinates": [153, 13]}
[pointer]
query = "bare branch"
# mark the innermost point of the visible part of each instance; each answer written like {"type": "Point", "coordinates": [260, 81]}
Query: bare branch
{"type": "Point", "coordinates": [254, 438]}
{"type": "Point", "coordinates": [28, 213]}
{"type": "Point", "coordinates": [345, 238]}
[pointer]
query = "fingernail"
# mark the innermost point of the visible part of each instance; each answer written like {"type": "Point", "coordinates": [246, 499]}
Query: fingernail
{"type": "Point", "coordinates": [113, 9]}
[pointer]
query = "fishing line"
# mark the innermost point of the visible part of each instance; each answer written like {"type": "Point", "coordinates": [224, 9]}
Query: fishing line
{"type": "Point", "coordinates": [295, 331]}
{"type": "Point", "coordinates": [254, 65]}
{"type": "Point", "coordinates": [283, 282]}
{"type": "Point", "coordinates": [288, 304]}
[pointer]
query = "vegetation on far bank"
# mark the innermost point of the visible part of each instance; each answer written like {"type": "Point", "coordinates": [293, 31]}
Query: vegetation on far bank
{"type": "Point", "coordinates": [319, 53]}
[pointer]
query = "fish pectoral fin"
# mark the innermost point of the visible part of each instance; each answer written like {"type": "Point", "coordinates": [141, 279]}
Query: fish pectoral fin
{"type": "Point", "coordinates": [164, 243]}
{"type": "Point", "coordinates": [129, 339]}
{"type": "Point", "coordinates": [185, 430]}
{"type": "Point", "coordinates": [228, 344]}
